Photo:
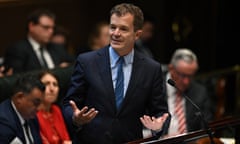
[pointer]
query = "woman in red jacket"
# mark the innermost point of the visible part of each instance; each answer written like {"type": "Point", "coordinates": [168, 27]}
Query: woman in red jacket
{"type": "Point", "coordinates": [52, 125]}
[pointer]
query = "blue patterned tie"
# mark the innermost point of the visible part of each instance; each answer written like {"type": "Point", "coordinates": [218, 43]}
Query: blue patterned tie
{"type": "Point", "coordinates": [119, 89]}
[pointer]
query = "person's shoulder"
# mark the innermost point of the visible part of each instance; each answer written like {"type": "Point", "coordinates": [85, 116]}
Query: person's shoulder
{"type": "Point", "coordinates": [146, 58]}
{"type": "Point", "coordinates": [4, 103]}
{"type": "Point", "coordinates": [6, 111]}
{"type": "Point", "coordinates": [20, 44]}
{"type": "Point", "coordinates": [93, 53]}
{"type": "Point", "coordinates": [21, 48]}
{"type": "Point", "coordinates": [86, 55]}
{"type": "Point", "coordinates": [198, 85]}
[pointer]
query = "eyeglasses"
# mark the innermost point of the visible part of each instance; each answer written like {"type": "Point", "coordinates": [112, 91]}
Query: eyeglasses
{"type": "Point", "coordinates": [182, 75]}
{"type": "Point", "coordinates": [46, 27]}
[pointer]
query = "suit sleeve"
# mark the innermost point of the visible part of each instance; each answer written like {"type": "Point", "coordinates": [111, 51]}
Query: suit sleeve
{"type": "Point", "coordinates": [159, 100]}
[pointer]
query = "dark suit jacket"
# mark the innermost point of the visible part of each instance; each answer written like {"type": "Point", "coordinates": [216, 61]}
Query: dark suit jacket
{"type": "Point", "coordinates": [11, 127]}
{"type": "Point", "coordinates": [22, 58]}
{"type": "Point", "coordinates": [199, 95]}
{"type": "Point", "coordinates": [91, 85]}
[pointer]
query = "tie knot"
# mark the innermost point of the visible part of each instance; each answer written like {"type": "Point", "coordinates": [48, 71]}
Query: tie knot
{"type": "Point", "coordinates": [178, 96]}
{"type": "Point", "coordinates": [121, 60]}
{"type": "Point", "coordinates": [42, 47]}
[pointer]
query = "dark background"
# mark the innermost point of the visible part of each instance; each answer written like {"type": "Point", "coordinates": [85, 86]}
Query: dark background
{"type": "Point", "coordinates": [212, 36]}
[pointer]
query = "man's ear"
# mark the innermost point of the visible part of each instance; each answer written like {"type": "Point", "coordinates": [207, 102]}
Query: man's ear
{"type": "Point", "coordinates": [19, 96]}
{"type": "Point", "coordinates": [138, 34]}
{"type": "Point", "coordinates": [31, 25]}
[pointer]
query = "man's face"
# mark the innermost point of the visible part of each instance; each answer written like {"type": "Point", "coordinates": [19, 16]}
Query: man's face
{"type": "Point", "coordinates": [43, 30]}
{"type": "Point", "coordinates": [122, 34]}
{"type": "Point", "coordinates": [28, 103]}
{"type": "Point", "coordinates": [183, 73]}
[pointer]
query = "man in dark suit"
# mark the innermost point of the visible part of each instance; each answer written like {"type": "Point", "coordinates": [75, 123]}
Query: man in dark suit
{"type": "Point", "coordinates": [19, 109]}
{"type": "Point", "coordinates": [91, 106]}
{"type": "Point", "coordinates": [36, 52]}
{"type": "Point", "coordinates": [181, 70]}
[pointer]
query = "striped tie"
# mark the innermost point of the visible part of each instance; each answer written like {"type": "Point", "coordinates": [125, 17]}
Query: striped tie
{"type": "Point", "coordinates": [179, 112]}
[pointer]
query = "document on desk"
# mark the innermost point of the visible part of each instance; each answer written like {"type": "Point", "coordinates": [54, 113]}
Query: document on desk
{"type": "Point", "coordinates": [16, 140]}
{"type": "Point", "coordinates": [228, 140]}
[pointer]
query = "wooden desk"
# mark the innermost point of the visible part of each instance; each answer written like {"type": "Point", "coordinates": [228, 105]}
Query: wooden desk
{"type": "Point", "coordinates": [200, 136]}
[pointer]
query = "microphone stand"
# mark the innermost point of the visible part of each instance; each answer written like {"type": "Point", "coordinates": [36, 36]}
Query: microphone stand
{"type": "Point", "coordinates": [200, 114]}
{"type": "Point", "coordinates": [205, 124]}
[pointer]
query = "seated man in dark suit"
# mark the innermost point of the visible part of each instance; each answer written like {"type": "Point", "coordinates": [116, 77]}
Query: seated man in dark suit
{"type": "Point", "coordinates": [21, 109]}
{"type": "Point", "coordinates": [181, 70]}
{"type": "Point", "coordinates": [36, 52]}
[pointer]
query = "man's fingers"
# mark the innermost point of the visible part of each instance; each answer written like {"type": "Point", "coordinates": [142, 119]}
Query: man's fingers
{"type": "Point", "coordinates": [92, 112]}
{"type": "Point", "coordinates": [73, 105]}
{"type": "Point", "coordinates": [163, 117]}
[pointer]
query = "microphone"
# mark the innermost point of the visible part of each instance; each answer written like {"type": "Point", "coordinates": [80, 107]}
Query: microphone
{"type": "Point", "coordinates": [206, 126]}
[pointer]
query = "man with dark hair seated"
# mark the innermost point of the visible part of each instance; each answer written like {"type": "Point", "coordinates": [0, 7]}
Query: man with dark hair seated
{"type": "Point", "coordinates": [17, 115]}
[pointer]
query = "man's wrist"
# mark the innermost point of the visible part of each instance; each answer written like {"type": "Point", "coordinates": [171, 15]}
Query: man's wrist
{"type": "Point", "coordinates": [77, 124]}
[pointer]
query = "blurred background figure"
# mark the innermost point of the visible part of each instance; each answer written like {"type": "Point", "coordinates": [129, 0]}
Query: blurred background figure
{"type": "Point", "coordinates": [185, 117]}
{"type": "Point", "coordinates": [98, 37]}
{"type": "Point", "coordinates": [35, 51]}
{"type": "Point", "coordinates": [144, 43]}
{"type": "Point", "coordinates": [61, 36]}
{"type": "Point", "coordinates": [52, 125]}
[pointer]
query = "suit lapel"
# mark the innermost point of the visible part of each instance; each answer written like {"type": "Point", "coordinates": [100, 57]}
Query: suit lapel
{"type": "Point", "coordinates": [134, 79]}
{"type": "Point", "coordinates": [103, 63]}
{"type": "Point", "coordinates": [30, 49]}
{"type": "Point", "coordinates": [14, 120]}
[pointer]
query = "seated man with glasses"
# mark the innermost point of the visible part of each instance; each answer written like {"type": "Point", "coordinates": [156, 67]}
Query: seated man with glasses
{"type": "Point", "coordinates": [182, 68]}
{"type": "Point", "coordinates": [36, 52]}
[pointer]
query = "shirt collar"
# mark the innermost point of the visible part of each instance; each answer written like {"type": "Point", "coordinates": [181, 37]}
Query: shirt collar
{"type": "Point", "coordinates": [170, 89]}
{"type": "Point", "coordinates": [128, 59]}
{"type": "Point", "coordinates": [34, 43]}
{"type": "Point", "coordinates": [18, 114]}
